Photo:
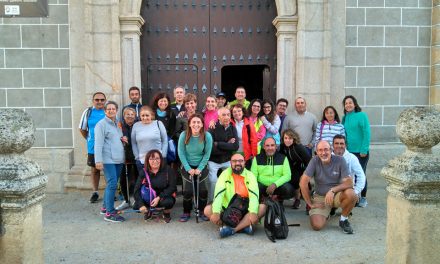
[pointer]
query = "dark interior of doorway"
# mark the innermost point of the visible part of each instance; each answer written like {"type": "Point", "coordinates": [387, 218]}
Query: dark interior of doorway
{"type": "Point", "coordinates": [248, 76]}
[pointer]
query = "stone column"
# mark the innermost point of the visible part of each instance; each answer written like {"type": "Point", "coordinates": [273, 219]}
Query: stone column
{"type": "Point", "coordinates": [130, 53]}
{"type": "Point", "coordinates": [22, 185]}
{"type": "Point", "coordinates": [286, 56]}
{"type": "Point", "coordinates": [434, 97]}
{"type": "Point", "coordinates": [413, 180]}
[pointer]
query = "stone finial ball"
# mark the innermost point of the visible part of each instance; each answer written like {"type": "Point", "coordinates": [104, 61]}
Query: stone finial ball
{"type": "Point", "coordinates": [16, 131]}
{"type": "Point", "coordinates": [419, 127]}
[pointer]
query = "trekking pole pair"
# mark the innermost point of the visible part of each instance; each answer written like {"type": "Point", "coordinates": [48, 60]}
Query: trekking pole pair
{"type": "Point", "coordinates": [195, 183]}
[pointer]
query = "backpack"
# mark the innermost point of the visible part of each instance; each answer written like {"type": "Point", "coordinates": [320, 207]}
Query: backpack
{"type": "Point", "coordinates": [275, 224]}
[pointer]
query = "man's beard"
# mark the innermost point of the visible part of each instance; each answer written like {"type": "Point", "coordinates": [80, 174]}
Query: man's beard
{"type": "Point", "coordinates": [237, 169]}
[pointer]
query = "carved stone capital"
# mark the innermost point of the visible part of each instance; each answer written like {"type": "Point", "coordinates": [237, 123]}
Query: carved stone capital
{"type": "Point", "coordinates": [131, 24]}
{"type": "Point", "coordinates": [286, 25]}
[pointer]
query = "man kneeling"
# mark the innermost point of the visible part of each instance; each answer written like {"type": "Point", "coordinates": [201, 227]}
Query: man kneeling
{"type": "Point", "coordinates": [333, 188]}
{"type": "Point", "coordinates": [236, 200]}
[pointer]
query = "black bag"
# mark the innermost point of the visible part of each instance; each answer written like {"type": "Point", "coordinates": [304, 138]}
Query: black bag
{"type": "Point", "coordinates": [275, 224]}
{"type": "Point", "coordinates": [237, 209]}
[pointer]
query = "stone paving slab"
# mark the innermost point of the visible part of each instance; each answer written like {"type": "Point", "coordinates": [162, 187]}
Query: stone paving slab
{"type": "Point", "coordinates": [75, 232]}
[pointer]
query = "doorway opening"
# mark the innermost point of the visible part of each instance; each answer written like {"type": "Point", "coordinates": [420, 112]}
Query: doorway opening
{"type": "Point", "coordinates": [253, 78]}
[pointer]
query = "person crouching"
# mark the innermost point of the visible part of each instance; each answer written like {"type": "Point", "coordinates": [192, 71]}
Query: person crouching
{"type": "Point", "coordinates": [236, 200]}
{"type": "Point", "coordinates": [157, 188]}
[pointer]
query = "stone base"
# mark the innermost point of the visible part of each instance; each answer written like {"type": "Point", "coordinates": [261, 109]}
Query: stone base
{"type": "Point", "coordinates": [79, 178]}
{"type": "Point", "coordinates": [413, 232]}
{"type": "Point", "coordinates": [56, 163]}
{"type": "Point", "coordinates": [22, 241]}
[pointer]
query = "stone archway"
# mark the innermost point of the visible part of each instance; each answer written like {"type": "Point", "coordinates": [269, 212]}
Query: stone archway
{"type": "Point", "coordinates": [285, 22]}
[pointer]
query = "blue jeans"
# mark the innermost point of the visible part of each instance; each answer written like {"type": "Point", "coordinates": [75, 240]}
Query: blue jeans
{"type": "Point", "coordinates": [111, 173]}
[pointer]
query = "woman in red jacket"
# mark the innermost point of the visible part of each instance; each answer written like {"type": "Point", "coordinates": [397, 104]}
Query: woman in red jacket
{"type": "Point", "coordinates": [247, 137]}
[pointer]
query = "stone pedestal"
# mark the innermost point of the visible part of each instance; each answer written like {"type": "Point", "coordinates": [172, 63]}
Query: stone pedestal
{"type": "Point", "coordinates": [22, 185]}
{"type": "Point", "coordinates": [413, 179]}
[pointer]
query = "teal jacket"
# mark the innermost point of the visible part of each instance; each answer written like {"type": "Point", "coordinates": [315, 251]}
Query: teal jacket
{"type": "Point", "coordinates": [357, 130]}
{"type": "Point", "coordinates": [225, 190]}
{"type": "Point", "coordinates": [268, 170]}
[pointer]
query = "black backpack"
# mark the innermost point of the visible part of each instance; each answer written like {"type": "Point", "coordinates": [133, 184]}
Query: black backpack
{"type": "Point", "coordinates": [275, 224]}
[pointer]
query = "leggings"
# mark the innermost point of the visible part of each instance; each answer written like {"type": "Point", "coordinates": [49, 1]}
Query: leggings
{"type": "Point", "coordinates": [188, 190]}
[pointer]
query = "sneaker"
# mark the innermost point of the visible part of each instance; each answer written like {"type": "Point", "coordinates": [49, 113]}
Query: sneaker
{"type": "Point", "coordinates": [167, 218]}
{"type": "Point", "coordinates": [226, 231]}
{"type": "Point", "coordinates": [184, 217]}
{"type": "Point", "coordinates": [94, 198]}
{"type": "Point", "coordinates": [124, 205]}
{"type": "Point", "coordinates": [296, 204]}
{"type": "Point", "coordinates": [362, 202]}
{"type": "Point", "coordinates": [204, 218]}
{"type": "Point", "coordinates": [248, 230]}
{"type": "Point", "coordinates": [115, 218]}
{"type": "Point", "coordinates": [103, 211]}
{"type": "Point", "coordinates": [148, 215]}
{"type": "Point", "coordinates": [346, 227]}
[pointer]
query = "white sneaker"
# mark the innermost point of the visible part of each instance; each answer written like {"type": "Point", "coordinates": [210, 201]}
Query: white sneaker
{"type": "Point", "coordinates": [124, 205]}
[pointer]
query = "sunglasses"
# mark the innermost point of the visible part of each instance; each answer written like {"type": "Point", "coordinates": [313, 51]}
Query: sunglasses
{"type": "Point", "coordinates": [99, 100]}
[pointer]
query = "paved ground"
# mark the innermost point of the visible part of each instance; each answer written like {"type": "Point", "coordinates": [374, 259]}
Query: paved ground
{"type": "Point", "coordinates": [75, 232]}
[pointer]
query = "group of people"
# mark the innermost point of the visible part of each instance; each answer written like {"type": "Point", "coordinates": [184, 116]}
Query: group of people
{"type": "Point", "coordinates": [238, 151]}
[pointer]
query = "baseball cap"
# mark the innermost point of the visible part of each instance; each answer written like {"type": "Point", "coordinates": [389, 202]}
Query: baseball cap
{"type": "Point", "coordinates": [221, 94]}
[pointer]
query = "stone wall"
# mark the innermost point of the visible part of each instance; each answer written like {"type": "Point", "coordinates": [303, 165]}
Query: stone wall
{"type": "Point", "coordinates": [35, 77]}
{"type": "Point", "coordinates": [388, 59]}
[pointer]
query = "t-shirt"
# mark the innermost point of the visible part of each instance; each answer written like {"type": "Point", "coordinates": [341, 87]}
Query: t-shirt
{"type": "Point", "coordinates": [240, 187]}
{"type": "Point", "coordinates": [327, 176]}
{"type": "Point", "coordinates": [88, 123]}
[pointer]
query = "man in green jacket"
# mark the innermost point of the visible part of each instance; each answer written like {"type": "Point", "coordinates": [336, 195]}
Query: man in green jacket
{"type": "Point", "coordinates": [273, 172]}
{"type": "Point", "coordinates": [236, 181]}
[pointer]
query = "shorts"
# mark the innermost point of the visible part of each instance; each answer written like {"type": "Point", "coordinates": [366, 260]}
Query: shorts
{"type": "Point", "coordinates": [91, 160]}
{"type": "Point", "coordinates": [325, 211]}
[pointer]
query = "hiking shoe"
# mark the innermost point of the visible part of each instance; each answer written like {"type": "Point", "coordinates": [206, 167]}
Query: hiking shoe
{"type": "Point", "coordinates": [148, 215]}
{"type": "Point", "coordinates": [226, 231]}
{"type": "Point", "coordinates": [114, 218]}
{"type": "Point", "coordinates": [346, 227]}
{"type": "Point", "coordinates": [333, 211]}
{"type": "Point", "coordinates": [94, 198]}
{"type": "Point", "coordinates": [204, 217]}
{"type": "Point", "coordinates": [296, 204]}
{"type": "Point", "coordinates": [248, 230]}
{"type": "Point", "coordinates": [124, 205]}
{"type": "Point", "coordinates": [103, 211]}
{"type": "Point", "coordinates": [362, 202]}
{"type": "Point", "coordinates": [184, 217]}
{"type": "Point", "coordinates": [167, 218]}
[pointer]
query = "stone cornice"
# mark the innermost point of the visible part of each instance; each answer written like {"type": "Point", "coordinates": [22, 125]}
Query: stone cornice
{"type": "Point", "coordinates": [131, 24]}
{"type": "Point", "coordinates": [414, 176]}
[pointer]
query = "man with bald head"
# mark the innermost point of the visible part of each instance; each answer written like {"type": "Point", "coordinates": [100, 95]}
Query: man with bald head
{"type": "Point", "coordinates": [236, 182]}
{"type": "Point", "coordinates": [225, 143]}
{"type": "Point", "coordinates": [333, 188]}
{"type": "Point", "coordinates": [302, 122]}
{"type": "Point", "coordinates": [272, 170]}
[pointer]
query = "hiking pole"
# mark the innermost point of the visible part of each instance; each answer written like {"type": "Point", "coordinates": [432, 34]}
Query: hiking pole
{"type": "Point", "coordinates": [195, 199]}
{"type": "Point", "coordinates": [198, 193]}
{"type": "Point", "coordinates": [126, 183]}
